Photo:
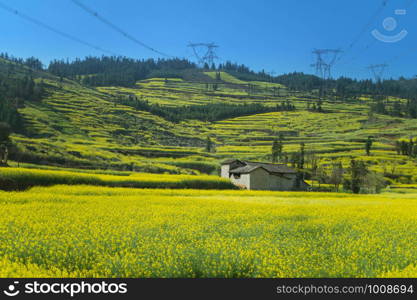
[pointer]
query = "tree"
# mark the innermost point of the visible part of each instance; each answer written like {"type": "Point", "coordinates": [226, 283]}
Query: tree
{"type": "Point", "coordinates": [368, 145]}
{"type": "Point", "coordinates": [209, 145]}
{"type": "Point", "coordinates": [407, 148]}
{"type": "Point", "coordinates": [33, 63]}
{"type": "Point", "coordinates": [301, 157]}
{"type": "Point", "coordinates": [5, 132]}
{"type": "Point", "coordinates": [218, 76]}
{"type": "Point", "coordinates": [319, 105]}
{"type": "Point", "coordinates": [398, 147]}
{"type": "Point", "coordinates": [277, 148]}
{"type": "Point", "coordinates": [414, 151]}
{"type": "Point", "coordinates": [336, 177]}
{"type": "Point", "coordinates": [314, 163]}
{"type": "Point", "coordinates": [321, 174]}
{"type": "Point", "coordinates": [393, 167]}
{"type": "Point", "coordinates": [274, 152]}
{"type": "Point", "coordinates": [280, 145]}
{"type": "Point", "coordinates": [294, 159]}
{"type": "Point", "coordinates": [396, 109]}
{"type": "Point", "coordinates": [358, 171]}
{"type": "Point", "coordinates": [410, 147]}
{"type": "Point", "coordinates": [372, 183]}
{"type": "Point", "coordinates": [404, 148]}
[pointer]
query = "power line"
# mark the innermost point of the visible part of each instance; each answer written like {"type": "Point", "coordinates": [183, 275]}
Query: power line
{"type": "Point", "coordinates": [407, 5]}
{"type": "Point", "coordinates": [117, 29]}
{"type": "Point", "coordinates": [50, 28]}
{"type": "Point", "coordinates": [383, 66]}
{"type": "Point", "coordinates": [365, 28]}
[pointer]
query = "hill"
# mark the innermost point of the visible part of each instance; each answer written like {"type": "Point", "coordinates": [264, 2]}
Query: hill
{"type": "Point", "coordinates": [162, 124]}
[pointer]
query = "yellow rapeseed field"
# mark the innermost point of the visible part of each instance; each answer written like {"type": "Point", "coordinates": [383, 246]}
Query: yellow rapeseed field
{"type": "Point", "coordinates": [22, 178]}
{"type": "Point", "coordinates": [90, 231]}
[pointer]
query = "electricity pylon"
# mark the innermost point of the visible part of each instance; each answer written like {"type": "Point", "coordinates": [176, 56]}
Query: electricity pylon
{"type": "Point", "coordinates": [207, 57]}
{"type": "Point", "coordinates": [326, 58]}
{"type": "Point", "coordinates": [377, 71]}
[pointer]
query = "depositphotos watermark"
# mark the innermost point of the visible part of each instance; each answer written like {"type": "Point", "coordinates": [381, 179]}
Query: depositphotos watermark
{"type": "Point", "coordinates": [72, 289]}
{"type": "Point", "coordinates": [390, 24]}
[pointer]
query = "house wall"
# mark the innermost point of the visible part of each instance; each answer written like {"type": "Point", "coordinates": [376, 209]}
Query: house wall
{"type": "Point", "coordinates": [262, 180]}
{"type": "Point", "coordinates": [225, 171]}
{"type": "Point", "coordinates": [243, 180]}
{"type": "Point", "coordinates": [282, 183]}
{"type": "Point", "coordinates": [225, 168]}
{"type": "Point", "coordinates": [259, 180]}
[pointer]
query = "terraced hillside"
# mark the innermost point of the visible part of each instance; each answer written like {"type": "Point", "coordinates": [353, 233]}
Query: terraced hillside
{"type": "Point", "coordinates": [84, 127]}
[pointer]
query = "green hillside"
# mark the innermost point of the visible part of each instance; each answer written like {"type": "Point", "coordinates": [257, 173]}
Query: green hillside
{"type": "Point", "coordinates": [80, 126]}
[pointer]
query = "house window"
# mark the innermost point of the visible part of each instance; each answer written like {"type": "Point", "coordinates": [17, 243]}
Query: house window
{"type": "Point", "coordinates": [236, 176]}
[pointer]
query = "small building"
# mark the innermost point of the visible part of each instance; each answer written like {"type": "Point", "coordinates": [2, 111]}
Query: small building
{"type": "Point", "coordinates": [263, 176]}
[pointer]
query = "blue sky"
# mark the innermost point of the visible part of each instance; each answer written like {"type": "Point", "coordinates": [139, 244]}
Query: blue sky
{"type": "Point", "coordinates": [274, 35]}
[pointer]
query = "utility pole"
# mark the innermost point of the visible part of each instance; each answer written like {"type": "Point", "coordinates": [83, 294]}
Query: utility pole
{"type": "Point", "coordinates": [378, 71]}
{"type": "Point", "coordinates": [325, 60]}
{"type": "Point", "coordinates": [207, 56]}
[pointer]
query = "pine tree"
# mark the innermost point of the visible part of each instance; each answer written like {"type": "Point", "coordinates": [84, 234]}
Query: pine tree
{"type": "Point", "coordinates": [209, 145]}
{"type": "Point", "coordinates": [301, 156]}
{"type": "Point", "coordinates": [280, 147]}
{"type": "Point", "coordinates": [5, 132]}
{"type": "Point", "coordinates": [274, 153]}
{"type": "Point", "coordinates": [368, 145]}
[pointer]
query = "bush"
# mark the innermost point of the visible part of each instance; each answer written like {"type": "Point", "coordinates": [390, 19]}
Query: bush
{"type": "Point", "coordinates": [21, 179]}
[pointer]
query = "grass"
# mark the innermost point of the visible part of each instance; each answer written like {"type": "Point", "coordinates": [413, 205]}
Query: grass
{"type": "Point", "coordinates": [22, 178]}
{"type": "Point", "coordinates": [86, 231]}
{"type": "Point", "coordinates": [79, 222]}
{"type": "Point", "coordinates": [80, 127]}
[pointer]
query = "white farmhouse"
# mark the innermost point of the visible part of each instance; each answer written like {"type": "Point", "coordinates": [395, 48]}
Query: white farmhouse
{"type": "Point", "coordinates": [262, 176]}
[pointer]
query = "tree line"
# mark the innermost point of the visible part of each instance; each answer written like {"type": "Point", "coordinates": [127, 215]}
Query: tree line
{"type": "Point", "coordinates": [123, 71]}
{"type": "Point", "coordinates": [208, 112]}
{"type": "Point", "coordinates": [356, 178]}
{"type": "Point", "coordinates": [407, 148]}
{"type": "Point", "coordinates": [395, 108]}
{"type": "Point", "coordinates": [30, 62]}
{"type": "Point", "coordinates": [14, 91]}
{"type": "Point", "coordinates": [112, 70]}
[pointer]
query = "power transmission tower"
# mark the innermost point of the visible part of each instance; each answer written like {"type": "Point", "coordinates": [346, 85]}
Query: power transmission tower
{"type": "Point", "coordinates": [326, 58]}
{"type": "Point", "coordinates": [377, 71]}
{"type": "Point", "coordinates": [208, 55]}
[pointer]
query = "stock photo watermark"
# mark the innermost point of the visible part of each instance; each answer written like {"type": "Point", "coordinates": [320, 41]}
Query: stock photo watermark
{"type": "Point", "coordinates": [64, 288]}
{"type": "Point", "coordinates": [390, 24]}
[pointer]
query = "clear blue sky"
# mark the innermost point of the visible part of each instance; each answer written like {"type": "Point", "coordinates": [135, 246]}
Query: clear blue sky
{"type": "Point", "coordinates": [275, 35]}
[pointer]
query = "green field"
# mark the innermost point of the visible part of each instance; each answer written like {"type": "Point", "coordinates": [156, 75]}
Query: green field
{"type": "Point", "coordinates": [86, 231]}
{"type": "Point", "coordinates": [76, 126]}
{"type": "Point", "coordinates": [96, 187]}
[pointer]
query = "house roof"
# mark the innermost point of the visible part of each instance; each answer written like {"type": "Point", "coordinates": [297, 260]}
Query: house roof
{"type": "Point", "coordinates": [271, 168]}
{"type": "Point", "coordinates": [228, 161]}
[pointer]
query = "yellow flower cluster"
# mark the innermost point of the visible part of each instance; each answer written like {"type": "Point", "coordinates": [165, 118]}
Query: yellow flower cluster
{"type": "Point", "coordinates": [87, 231]}
{"type": "Point", "coordinates": [20, 178]}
